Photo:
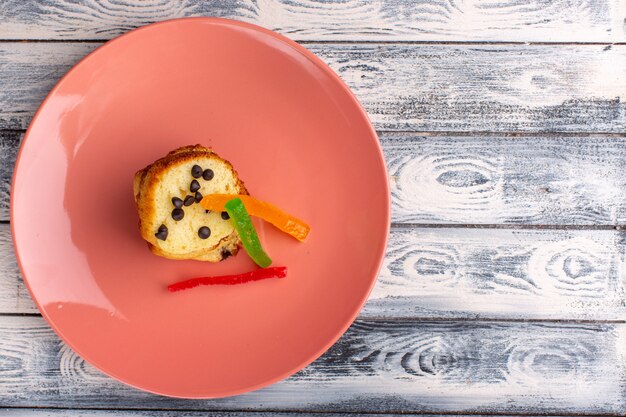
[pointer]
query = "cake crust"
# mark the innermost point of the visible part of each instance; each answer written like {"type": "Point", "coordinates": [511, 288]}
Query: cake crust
{"type": "Point", "coordinates": [154, 181]}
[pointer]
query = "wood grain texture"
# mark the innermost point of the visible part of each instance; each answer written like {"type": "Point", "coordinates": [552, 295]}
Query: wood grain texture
{"type": "Point", "coordinates": [481, 179]}
{"type": "Point", "coordinates": [478, 179]}
{"type": "Point", "coordinates": [498, 88]}
{"type": "Point", "coordinates": [508, 274]}
{"type": "Point", "coordinates": [14, 297]}
{"type": "Point", "coordinates": [27, 73]}
{"type": "Point", "coordinates": [486, 88]}
{"type": "Point", "coordinates": [376, 366]}
{"type": "Point", "coordinates": [9, 145]}
{"type": "Point", "coordinates": [465, 273]}
{"type": "Point", "coordinates": [51, 412]}
{"type": "Point", "coordinates": [351, 20]}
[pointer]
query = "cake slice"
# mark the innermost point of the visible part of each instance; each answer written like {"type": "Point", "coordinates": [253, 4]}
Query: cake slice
{"type": "Point", "coordinates": [171, 219]}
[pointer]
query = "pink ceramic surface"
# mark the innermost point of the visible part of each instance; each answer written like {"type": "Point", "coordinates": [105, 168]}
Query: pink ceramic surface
{"type": "Point", "coordinates": [298, 138]}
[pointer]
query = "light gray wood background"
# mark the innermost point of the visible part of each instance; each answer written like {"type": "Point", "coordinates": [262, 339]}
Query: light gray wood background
{"type": "Point", "coordinates": [504, 129]}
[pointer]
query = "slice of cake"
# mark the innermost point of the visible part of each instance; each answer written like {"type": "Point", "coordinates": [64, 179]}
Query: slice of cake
{"type": "Point", "coordinates": [171, 220]}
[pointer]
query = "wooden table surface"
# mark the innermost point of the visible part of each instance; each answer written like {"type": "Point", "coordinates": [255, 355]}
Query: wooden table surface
{"type": "Point", "coordinates": [504, 129]}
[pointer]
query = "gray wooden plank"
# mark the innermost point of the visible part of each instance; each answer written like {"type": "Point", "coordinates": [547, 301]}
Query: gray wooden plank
{"type": "Point", "coordinates": [355, 20]}
{"type": "Point", "coordinates": [52, 412]}
{"type": "Point", "coordinates": [14, 297]}
{"type": "Point", "coordinates": [497, 88]}
{"type": "Point", "coordinates": [479, 179]}
{"type": "Point", "coordinates": [490, 88]}
{"type": "Point", "coordinates": [37, 412]}
{"type": "Point", "coordinates": [9, 146]}
{"type": "Point", "coordinates": [377, 366]}
{"type": "Point", "coordinates": [539, 180]}
{"type": "Point", "coordinates": [27, 73]}
{"type": "Point", "coordinates": [498, 273]}
{"type": "Point", "coordinates": [465, 273]}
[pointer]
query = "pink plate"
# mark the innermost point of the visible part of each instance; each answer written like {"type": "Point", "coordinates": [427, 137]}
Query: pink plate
{"type": "Point", "coordinates": [298, 138]}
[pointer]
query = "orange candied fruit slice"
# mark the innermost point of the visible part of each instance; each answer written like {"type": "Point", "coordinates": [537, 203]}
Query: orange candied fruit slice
{"type": "Point", "coordinates": [268, 212]}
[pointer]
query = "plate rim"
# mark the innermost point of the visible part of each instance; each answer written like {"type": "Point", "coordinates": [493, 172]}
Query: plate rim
{"type": "Point", "coordinates": [318, 63]}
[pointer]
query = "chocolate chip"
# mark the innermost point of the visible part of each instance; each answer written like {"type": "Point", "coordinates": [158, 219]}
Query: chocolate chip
{"type": "Point", "coordinates": [178, 203]}
{"type": "Point", "coordinates": [189, 200]}
{"type": "Point", "coordinates": [225, 215]}
{"type": "Point", "coordinates": [207, 211]}
{"type": "Point", "coordinates": [225, 253]}
{"type": "Point", "coordinates": [195, 186]}
{"type": "Point", "coordinates": [162, 233]}
{"type": "Point", "coordinates": [204, 232]}
{"type": "Point", "coordinates": [198, 197]}
{"type": "Point", "coordinates": [178, 214]}
{"type": "Point", "coordinates": [208, 174]}
{"type": "Point", "coordinates": [196, 171]}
